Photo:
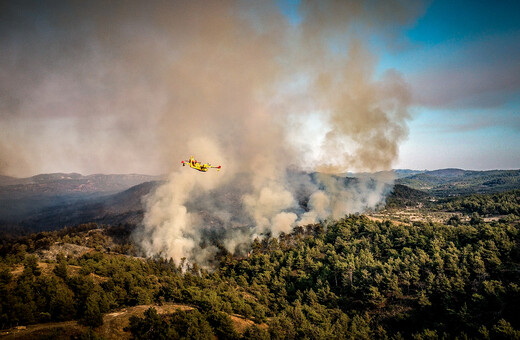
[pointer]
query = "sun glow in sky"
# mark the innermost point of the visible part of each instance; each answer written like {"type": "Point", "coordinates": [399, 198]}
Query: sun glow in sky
{"type": "Point", "coordinates": [70, 100]}
{"type": "Point", "coordinates": [462, 61]}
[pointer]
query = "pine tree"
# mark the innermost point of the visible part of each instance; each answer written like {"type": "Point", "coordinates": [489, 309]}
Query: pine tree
{"type": "Point", "coordinates": [93, 316]}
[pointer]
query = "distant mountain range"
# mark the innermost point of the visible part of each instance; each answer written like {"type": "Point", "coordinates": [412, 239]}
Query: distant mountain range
{"type": "Point", "coordinates": [30, 201]}
{"type": "Point", "coordinates": [65, 184]}
{"type": "Point", "coordinates": [52, 201]}
{"type": "Point", "coordinates": [456, 182]}
{"type": "Point", "coordinates": [397, 173]}
{"type": "Point", "coordinates": [123, 207]}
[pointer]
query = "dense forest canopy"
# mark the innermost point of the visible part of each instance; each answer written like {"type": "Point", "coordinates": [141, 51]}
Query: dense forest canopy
{"type": "Point", "coordinates": [503, 203]}
{"type": "Point", "coordinates": [348, 278]}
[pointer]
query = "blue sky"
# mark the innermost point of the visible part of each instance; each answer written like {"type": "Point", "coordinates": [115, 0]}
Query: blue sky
{"type": "Point", "coordinates": [462, 62]}
{"type": "Point", "coordinates": [462, 59]}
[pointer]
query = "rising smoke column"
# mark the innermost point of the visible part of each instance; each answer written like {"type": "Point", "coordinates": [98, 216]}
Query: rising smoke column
{"type": "Point", "coordinates": [229, 84]}
{"type": "Point", "coordinates": [108, 86]}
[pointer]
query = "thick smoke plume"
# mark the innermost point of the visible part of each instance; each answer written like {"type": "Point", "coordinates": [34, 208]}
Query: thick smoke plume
{"type": "Point", "coordinates": [247, 83]}
{"type": "Point", "coordinates": [284, 97]}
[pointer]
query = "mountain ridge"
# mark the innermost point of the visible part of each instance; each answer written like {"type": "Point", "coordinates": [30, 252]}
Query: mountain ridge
{"type": "Point", "coordinates": [56, 200]}
{"type": "Point", "coordinates": [456, 182]}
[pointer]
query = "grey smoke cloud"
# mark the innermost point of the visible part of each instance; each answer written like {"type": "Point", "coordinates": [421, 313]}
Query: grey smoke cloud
{"type": "Point", "coordinates": [138, 87]}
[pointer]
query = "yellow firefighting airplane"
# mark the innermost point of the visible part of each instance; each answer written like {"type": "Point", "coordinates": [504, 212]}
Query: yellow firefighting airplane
{"type": "Point", "coordinates": [199, 166]}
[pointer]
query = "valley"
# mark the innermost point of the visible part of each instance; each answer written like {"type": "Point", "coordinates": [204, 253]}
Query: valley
{"type": "Point", "coordinates": [423, 265]}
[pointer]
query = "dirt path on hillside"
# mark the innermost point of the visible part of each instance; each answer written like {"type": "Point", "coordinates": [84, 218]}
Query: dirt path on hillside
{"type": "Point", "coordinates": [56, 330]}
{"type": "Point", "coordinates": [113, 324]}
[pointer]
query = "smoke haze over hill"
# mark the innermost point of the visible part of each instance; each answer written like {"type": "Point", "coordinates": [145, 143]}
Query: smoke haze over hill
{"type": "Point", "coordinates": [139, 87]}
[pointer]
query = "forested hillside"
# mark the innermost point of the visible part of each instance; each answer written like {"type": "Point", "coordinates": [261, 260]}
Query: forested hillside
{"type": "Point", "coordinates": [402, 196]}
{"type": "Point", "coordinates": [456, 182]}
{"type": "Point", "coordinates": [503, 203]}
{"type": "Point", "coordinates": [350, 278]}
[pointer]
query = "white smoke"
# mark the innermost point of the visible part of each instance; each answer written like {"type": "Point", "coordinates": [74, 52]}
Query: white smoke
{"type": "Point", "coordinates": [284, 102]}
{"type": "Point", "coordinates": [248, 83]}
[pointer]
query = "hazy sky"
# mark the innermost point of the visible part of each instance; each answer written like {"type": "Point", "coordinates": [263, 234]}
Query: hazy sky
{"type": "Point", "coordinates": [88, 86]}
{"type": "Point", "coordinates": [462, 60]}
